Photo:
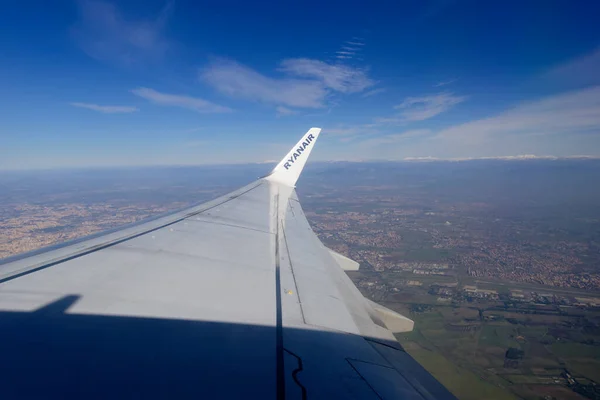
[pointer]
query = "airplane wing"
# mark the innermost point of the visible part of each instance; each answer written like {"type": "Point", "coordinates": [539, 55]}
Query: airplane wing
{"type": "Point", "coordinates": [235, 298]}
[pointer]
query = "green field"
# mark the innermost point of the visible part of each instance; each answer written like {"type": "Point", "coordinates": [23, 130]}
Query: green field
{"type": "Point", "coordinates": [498, 336]}
{"type": "Point", "coordinates": [576, 350]}
{"type": "Point", "coordinates": [461, 382]}
{"type": "Point", "coordinates": [588, 368]}
{"type": "Point", "coordinates": [465, 342]}
{"type": "Point", "coordinates": [467, 353]}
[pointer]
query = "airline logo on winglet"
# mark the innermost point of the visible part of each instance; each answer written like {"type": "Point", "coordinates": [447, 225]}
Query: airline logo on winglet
{"type": "Point", "coordinates": [289, 169]}
{"type": "Point", "coordinates": [288, 163]}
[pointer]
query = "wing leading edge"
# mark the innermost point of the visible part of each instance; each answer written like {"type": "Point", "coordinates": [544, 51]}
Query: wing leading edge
{"type": "Point", "coordinates": [233, 298]}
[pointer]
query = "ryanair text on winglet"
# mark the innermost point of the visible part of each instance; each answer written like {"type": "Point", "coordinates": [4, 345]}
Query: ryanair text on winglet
{"type": "Point", "coordinates": [298, 151]}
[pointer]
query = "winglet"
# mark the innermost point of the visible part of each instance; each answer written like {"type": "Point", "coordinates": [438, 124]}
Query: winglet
{"type": "Point", "coordinates": [288, 170]}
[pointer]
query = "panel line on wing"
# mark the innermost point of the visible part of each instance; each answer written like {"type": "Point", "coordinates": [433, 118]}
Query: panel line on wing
{"type": "Point", "coordinates": [279, 311]}
{"type": "Point", "coordinates": [293, 275]}
{"type": "Point", "coordinates": [204, 221]}
{"type": "Point", "coordinates": [364, 380]}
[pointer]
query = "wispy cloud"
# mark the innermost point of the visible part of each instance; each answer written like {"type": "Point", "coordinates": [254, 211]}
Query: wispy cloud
{"type": "Point", "coordinates": [350, 49]}
{"type": "Point", "coordinates": [425, 107]}
{"type": "Point", "coordinates": [284, 111]}
{"type": "Point", "coordinates": [106, 109]}
{"type": "Point", "coordinates": [444, 83]}
{"type": "Point", "coordinates": [355, 42]}
{"type": "Point", "coordinates": [374, 92]}
{"type": "Point", "coordinates": [237, 80]}
{"type": "Point", "coordinates": [306, 83]}
{"type": "Point", "coordinates": [105, 34]}
{"type": "Point", "coordinates": [581, 71]}
{"type": "Point", "coordinates": [341, 78]}
{"type": "Point", "coordinates": [564, 124]}
{"type": "Point", "coordinates": [568, 113]}
{"type": "Point", "coordinates": [192, 103]}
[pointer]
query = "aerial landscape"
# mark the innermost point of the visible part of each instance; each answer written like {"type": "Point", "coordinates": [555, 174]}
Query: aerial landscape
{"type": "Point", "coordinates": [458, 163]}
{"type": "Point", "coordinates": [498, 269]}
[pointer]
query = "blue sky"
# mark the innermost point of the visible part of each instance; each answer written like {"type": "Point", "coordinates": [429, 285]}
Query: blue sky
{"type": "Point", "coordinates": [105, 83]}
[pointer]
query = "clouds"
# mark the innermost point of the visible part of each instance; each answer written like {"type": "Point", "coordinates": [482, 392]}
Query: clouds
{"type": "Point", "coordinates": [106, 109]}
{"type": "Point", "coordinates": [305, 83]}
{"type": "Point", "coordinates": [337, 77]}
{"type": "Point", "coordinates": [563, 114]}
{"type": "Point", "coordinates": [444, 83]}
{"type": "Point", "coordinates": [425, 107]}
{"type": "Point", "coordinates": [105, 34]}
{"type": "Point", "coordinates": [373, 92]}
{"type": "Point", "coordinates": [283, 111]}
{"type": "Point", "coordinates": [411, 113]}
{"type": "Point", "coordinates": [350, 49]}
{"type": "Point", "coordinates": [236, 80]}
{"type": "Point", "coordinates": [165, 99]}
{"type": "Point", "coordinates": [192, 103]}
{"type": "Point", "coordinates": [581, 71]}
{"type": "Point", "coordinates": [565, 124]}
{"type": "Point", "coordinates": [416, 109]}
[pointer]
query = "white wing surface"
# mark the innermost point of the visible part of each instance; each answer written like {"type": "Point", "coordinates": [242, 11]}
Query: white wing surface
{"type": "Point", "coordinates": [235, 298]}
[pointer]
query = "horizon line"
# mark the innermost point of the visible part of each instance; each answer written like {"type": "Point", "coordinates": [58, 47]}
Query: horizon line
{"type": "Point", "coordinates": [522, 157]}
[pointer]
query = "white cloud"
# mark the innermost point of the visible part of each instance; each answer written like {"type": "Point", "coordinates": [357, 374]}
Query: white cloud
{"type": "Point", "coordinates": [581, 71]}
{"type": "Point", "coordinates": [237, 80]}
{"type": "Point", "coordinates": [374, 92]}
{"type": "Point", "coordinates": [422, 108]}
{"type": "Point", "coordinates": [307, 83]}
{"type": "Point", "coordinates": [562, 125]}
{"type": "Point", "coordinates": [105, 34]}
{"type": "Point", "coordinates": [444, 83]}
{"type": "Point", "coordinates": [283, 111]}
{"type": "Point", "coordinates": [566, 114]}
{"type": "Point", "coordinates": [192, 103]}
{"type": "Point", "coordinates": [341, 78]}
{"type": "Point", "coordinates": [355, 43]}
{"type": "Point", "coordinates": [350, 49]}
{"type": "Point", "coordinates": [106, 109]}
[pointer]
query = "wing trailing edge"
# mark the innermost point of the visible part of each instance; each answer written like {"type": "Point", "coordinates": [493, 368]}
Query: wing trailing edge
{"type": "Point", "coordinates": [345, 263]}
{"type": "Point", "coordinates": [290, 167]}
{"type": "Point", "coordinates": [395, 322]}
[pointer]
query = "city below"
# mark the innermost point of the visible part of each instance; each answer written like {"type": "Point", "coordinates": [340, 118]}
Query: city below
{"type": "Point", "coordinates": [497, 266]}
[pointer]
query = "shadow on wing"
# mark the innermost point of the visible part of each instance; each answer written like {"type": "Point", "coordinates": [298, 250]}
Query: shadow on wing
{"type": "Point", "coordinates": [49, 353]}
